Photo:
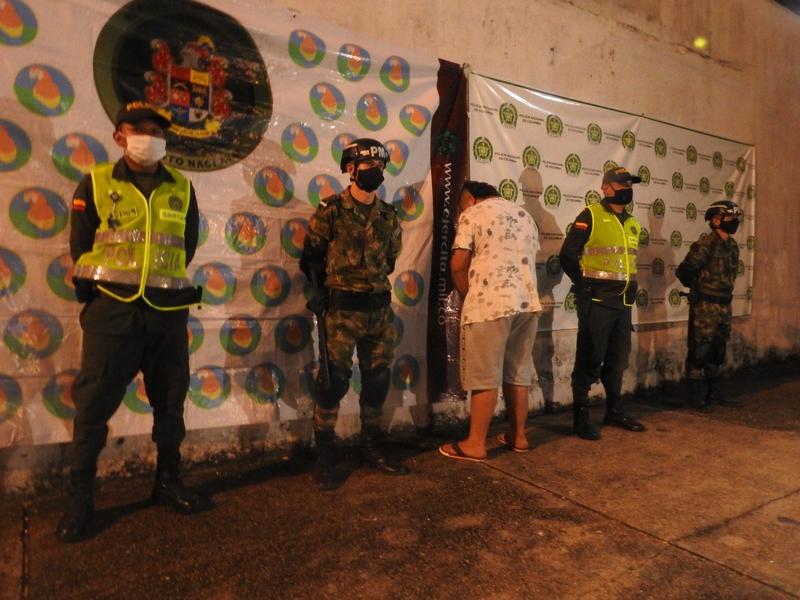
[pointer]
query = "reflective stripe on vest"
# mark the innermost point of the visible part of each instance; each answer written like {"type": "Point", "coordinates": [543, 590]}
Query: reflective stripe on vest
{"type": "Point", "coordinates": [140, 241]}
{"type": "Point", "coordinates": [610, 251]}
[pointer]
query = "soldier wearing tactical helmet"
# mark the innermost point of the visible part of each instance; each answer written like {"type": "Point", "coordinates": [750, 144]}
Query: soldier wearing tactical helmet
{"type": "Point", "coordinates": [351, 247]}
{"type": "Point", "coordinates": [709, 270]}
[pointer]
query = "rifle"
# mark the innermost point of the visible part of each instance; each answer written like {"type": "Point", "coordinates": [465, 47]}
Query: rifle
{"type": "Point", "coordinates": [324, 362]}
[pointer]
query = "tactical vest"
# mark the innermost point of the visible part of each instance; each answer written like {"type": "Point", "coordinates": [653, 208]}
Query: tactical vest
{"type": "Point", "coordinates": [140, 241]}
{"type": "Point", "coordinates": [610, 252]}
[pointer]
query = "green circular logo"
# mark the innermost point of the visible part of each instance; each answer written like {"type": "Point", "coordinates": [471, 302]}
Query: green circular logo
{"type": "Point", "coordinates": [660, 147]}
{"type": "Point", "coordinates": [508, 189]}
{"type": "Point", "coordinates": [691, 212]}
{"type": "Point", "coordinates": [751, 242]}
{"type": "Point", "coordinates": [677, 181]}
{"type": "Point", "coordinates": [592, 197]}
{"type": "Point", "coordinates": [554, 126]}
{"type": "Point", "coordinates": [552, 196]}
{"type": "Point", "coordinates": [609, 165]}
{"type": "Point", "coordinates": [644, 237]}
{"type": "Point", "coordinates": [572, 165]}
{"type": "Point", "coordinates": [676, 239]}
{"type": "Point", "coordinates": [508, 115]}
{"type": "Point", "coordinates": [628, 140]}
{"type": "Point", "coordinates": [674, 297]}
{"type": "Point", "coordinates": [553, 266]}
{"type": "Point", "coordinates": [644, 173]}
{"type": "Point", "coordinates": [659, 208]}
{"type": "Point", "coordinates": [482, 150]}
{"type": "Point", "coordinates": [741, 163]}
{"type": "Point", "coordinates": [629, 208]}
{"type": "Point", "coordinates": [691, 155]}
{"type": "Point", "coordinates": [716, 160]}
{"type": "Point", "coordinates": [594, 133]}
{"type": "Point", "coordinates": [531, 157]}
{"type": "Point", "coordinates": [730, 188]}
{"type": "Point", "coordinates": [569, 302]}
{"type": "Point", "coordinates": [704, 185]}
{"type": "Point", "coordinates": [751, 192]}
{"type": "Point", "coordinates": [658, 267]}
{"type": "Point", "coordinates": [642, 298]}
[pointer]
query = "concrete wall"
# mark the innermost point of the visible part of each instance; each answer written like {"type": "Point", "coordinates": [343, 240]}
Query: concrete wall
{"type": "Point", "coordinates": [637, 55]}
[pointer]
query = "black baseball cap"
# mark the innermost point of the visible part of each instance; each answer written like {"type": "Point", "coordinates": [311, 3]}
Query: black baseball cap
{"type": "Point", "coordinates": [620, 175]}
{"type": "Point", "coordinates": [135, 112]}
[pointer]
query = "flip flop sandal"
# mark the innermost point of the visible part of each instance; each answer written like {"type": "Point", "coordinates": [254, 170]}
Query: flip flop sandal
{"type": "Point", "coordinates": [458, 453]}
{"type": "Point", "coordinates": [504, 441]}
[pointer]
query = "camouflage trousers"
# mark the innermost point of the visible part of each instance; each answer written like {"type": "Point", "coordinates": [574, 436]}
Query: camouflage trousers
{"type": "Point", "coordinates": [372, 335]}
{"type": "Point", "coordinates": [709, 332]}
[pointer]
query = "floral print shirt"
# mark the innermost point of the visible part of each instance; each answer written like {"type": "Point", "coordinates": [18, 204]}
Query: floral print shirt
{"type": "Point", "coordinates": [503, 240]}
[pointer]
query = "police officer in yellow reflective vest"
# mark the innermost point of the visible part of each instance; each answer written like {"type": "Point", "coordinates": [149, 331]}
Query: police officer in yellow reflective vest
{"type": "Point", "coordinates": [599, 256]}
{"type": "Point", "coordinates": [134, 228]}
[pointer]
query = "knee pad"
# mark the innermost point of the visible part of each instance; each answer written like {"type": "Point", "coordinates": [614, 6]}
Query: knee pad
{"type": "Point", "coordinates": [375, 385]}
{"type": "Point", "coordinates": [700, 355]}
{"type": "Point", "coordinates": [340, 383]}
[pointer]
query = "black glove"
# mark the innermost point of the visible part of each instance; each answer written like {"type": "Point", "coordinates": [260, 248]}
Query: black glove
{"type": "Point", "coordinates": [318, 303]}
{"type": "Point", "coordinates": [85, 291]}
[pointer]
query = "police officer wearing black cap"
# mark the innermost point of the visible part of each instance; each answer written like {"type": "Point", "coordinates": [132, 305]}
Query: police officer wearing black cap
{"type": "Point", "coordinates": [134, 228]}
{"type": "Point", "coordinates": [599, 256]}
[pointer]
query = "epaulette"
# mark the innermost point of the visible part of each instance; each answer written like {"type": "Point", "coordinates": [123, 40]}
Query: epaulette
{"type": "Point", "coordinates": [330, 201]}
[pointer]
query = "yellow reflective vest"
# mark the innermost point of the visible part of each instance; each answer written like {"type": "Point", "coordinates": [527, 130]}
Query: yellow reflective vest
{"type": "Point", "coordinates": [610, 252]}
{"type": "Point", "coordinates": [140, 241]}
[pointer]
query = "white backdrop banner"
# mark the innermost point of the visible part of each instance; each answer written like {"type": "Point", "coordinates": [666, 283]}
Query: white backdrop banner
{"type": "Point", "coordinates": [263, 99]}
{"type": "Point", "coordinates": [514, 129]}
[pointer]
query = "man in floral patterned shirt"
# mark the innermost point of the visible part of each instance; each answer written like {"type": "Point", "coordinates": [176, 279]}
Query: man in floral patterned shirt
{"type": "Point", "coordinates": [494, 269]}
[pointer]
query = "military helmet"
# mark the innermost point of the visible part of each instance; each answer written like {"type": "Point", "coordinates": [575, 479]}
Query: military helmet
{"type": "Point", "coordinates": [363, 149]}
{"type": "Point", "coordinates": [724, 208]}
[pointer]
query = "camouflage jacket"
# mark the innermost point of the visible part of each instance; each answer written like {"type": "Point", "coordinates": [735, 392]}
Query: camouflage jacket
{"type": "Point", "coordinates": [356, 252]}
{"type": "Point", "coordinates": [710, 267]}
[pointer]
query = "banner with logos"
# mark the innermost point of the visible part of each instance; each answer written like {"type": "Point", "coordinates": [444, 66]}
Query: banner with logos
{"type": "Point", "coordinates": [263, 99]}
{"type": "Point", "coordinates": [515, 130]}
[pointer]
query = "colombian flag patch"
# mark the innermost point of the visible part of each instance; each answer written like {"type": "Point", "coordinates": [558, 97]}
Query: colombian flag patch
{"type": "Point", "coordinates": [581, 225]}
{"type": "Point", "coordinates": [79, 205]}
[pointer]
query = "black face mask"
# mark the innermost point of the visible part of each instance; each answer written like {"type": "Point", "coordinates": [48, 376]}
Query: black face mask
{"type": "Point", "coordinates": [370, 179]}
{"type": "Point", "coordinates": [622, 196]}
{"type": "Point", "coordinates": [729, 227]}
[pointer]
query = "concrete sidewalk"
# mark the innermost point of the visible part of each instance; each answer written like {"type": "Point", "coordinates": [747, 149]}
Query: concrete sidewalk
{"type": "Point", "coordinates": [700, 506]}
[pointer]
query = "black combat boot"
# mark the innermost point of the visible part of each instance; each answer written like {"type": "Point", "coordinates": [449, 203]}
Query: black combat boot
{"type": "Point", "coordinates": [715, 395]}
{"type": "Point", "coordinates": [582, 421]}
{"type": "Point", "coordinates": [169, 488]}
{"type": "Point", "coordinates": [325, 475]}
{"type": "Point", "coordinates": [374, 458]}
{"type": "Point", "coordinates": [696, 395]}
{"type": "Point", "coordinates": [616, 416]}
{"type": "Point", "coordinates": [77, 519]}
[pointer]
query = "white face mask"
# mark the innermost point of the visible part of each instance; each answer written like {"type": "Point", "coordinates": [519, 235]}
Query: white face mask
{"type": "Point", "coordinates": [146, 149]}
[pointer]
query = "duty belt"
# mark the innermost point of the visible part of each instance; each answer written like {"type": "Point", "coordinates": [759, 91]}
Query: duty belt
{"type": "Point", "coordinates": [359, 301]}
{"type": "Point", "coordinates": [723, 300]}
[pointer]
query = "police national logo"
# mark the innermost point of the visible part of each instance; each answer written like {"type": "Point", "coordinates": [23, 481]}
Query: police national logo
{"type": "Point", "coordinates": [196, 64]}
{"type": "Point", "coordinates": [572, 165]}
{"type": "Point", "coordinates": [704, 185]}
{"type": "Point", "coordinates": [553, 266]}
{"type": "Point", "coordinates": [642, 298]}
{"type": "Point", "coordinates": [644, 237]}
{"type": "Point", "coordinates": [644, 173]}
{"type": "Point", "coordinates": [660, 147]}
{"type": "Point", "coordinates": [594, 133]}
{"type": "Point", "coordinates": [740, 268]}
{"type": "Point", "coordinates": [691, 212]}
{"type": "Point", "coordinates": [609, 165]}
{"type": "Point", "coordinates": [677, 181]}
{"type": "Point", "coordinates": [657, 269]}
{"type": "Point", "coordinates": [531, 157]}
{"type": "Point", "coordinates": [554, 126]}
{"type": "Point", "coordinates": [676, 239]}
{"type": "Point", "coordinates": [569, 302]}
{"type": "Point", "coordinates": [482, 150]}
{"type": "Point", "coordinates": [175, 203]}
{"type": "Point", "coordinates": [508, 189]}
{"type": "Point", "coordinates": [691, 154]}
{"type": "Point", "coordinates": [741, 163]}
{"type": "Point", "coordinates": [659, 208]}
{"type": "Point", "coordinates": [751, 192]}
{"type": "Point", "coordinates": [628, 140]}
{"type": "Point", "coordinates": [552, 196]}
{"type": "Point", "coordinates": [592, 197]}
{"type": "Point", "coordinates": [751, 242]}
{"type": "Point", "coordinates": [716, 160]}
{"type": "Point", "coordinates": [674, 297]}
{"type": "Point", "coordinates": [508, 115]}
{"type": "Point", "coordinates": [730, 188]}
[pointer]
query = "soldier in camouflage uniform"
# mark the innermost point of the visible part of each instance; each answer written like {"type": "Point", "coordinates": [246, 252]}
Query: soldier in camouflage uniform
{"type": "Point", "coordinates": [709, 270]}
{"type": "Point", "coordinates": [352, 243]}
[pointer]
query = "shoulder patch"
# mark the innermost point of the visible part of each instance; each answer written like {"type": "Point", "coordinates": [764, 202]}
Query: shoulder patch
{"type": "Point", "coordinates": [79, 204]}
{"type": "Point", "coordinates": [581, 225]}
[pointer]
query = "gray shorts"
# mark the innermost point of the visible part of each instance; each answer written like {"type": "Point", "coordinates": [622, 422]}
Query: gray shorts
{"type": "Point", "coordinates": [498, 352]}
